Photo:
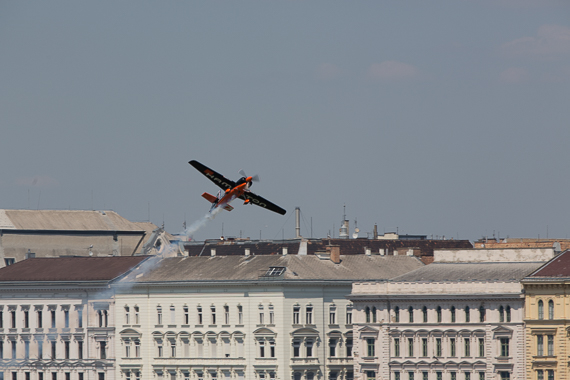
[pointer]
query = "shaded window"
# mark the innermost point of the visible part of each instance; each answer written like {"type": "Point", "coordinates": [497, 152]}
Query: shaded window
{"type": "Point", "coordinates": [467, 314]}
{"type": "Point", "coordinates": [501, 314]}
{"type": "Point", "coordinates": [370, 343]}
{"type": "Point", "coordinates": [439, 314]}
{"type": "Point", "coordinates": [482, 314]}
{"type": "Point", "coordinates": [452, 310]}
{"type": "Point", "coordinates": [425, 314]}
{"type": "Point", "coordinates": [508, 313]}
{"type": "Point", "coordinates": [396, 314]}
{"type": "Point", "coordinates": [551, 309]}
{"type": "Point", "coordinates": [411, 314]}
{"type": "Point", "coordinates": [540, 309]}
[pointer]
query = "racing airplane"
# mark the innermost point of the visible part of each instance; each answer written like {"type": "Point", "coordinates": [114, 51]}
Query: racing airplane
{"type": "Point", "coordinates": [233, 190]}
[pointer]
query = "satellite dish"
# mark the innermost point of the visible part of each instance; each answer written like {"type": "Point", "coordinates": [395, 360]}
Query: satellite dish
{"type": "Point", "coordinates": [354, 235]}
{"type": "Point", "coordinates": [356, 230]}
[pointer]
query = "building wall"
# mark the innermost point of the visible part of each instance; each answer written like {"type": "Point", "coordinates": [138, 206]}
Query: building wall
{"type": "Point", "coordinates": [551, 323]}
{"type": "Point", "coordinates": [75, 334]}
{"type": "Point", "coordinates": [232, 349]}
{"type": "Point", "coordinates": [394, 328]}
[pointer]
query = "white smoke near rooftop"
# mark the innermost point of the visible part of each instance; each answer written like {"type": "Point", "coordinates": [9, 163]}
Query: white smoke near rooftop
{"type": "Point", "coordinates": [194, 227]}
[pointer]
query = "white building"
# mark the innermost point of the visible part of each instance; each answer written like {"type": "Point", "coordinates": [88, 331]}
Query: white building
{"type": "Point", "coordinates": [243, 317]}
{"type": "Point", "coordinates": [444, 321]}
{"type": "Point", "coordinates": [57, 318]}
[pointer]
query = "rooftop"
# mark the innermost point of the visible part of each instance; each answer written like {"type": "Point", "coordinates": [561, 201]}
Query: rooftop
{"type": "Point", "coordinates": [267, 267]}
{"type": "Point", "coordinates": [558, 267]}
{"type": "Point", "coordinates": [70, 268]}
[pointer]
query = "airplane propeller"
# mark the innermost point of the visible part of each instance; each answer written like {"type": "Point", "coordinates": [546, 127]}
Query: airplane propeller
{"type": "Point", "coordinates": [254, 178]}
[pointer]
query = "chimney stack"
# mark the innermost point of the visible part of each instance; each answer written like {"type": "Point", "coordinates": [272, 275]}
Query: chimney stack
{"type": "Point", "coordinates": [297, 223]}
{"type": "Point", "coordinates": [334, 253]}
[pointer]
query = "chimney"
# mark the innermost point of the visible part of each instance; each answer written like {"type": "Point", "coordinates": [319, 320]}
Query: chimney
{"type": "Point", "coordinates": [375, 232]}
{"type": "Point", "coordinates": [367, 251]}
{"type": "Point", "coordinates": [213, 252]}
{"type": "Point", "coordinates": [297, 223]}
{"type": "Point", "coordinates": [285, 251]}
{"type": "Point", "coordinates": [247, 252]}
{"type": "Point", "coordinates": [334, 253]}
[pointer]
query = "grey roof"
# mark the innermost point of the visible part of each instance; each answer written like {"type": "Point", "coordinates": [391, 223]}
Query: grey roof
{"type": "Point", "coordinates": [65, 220]}
{"type": "Point", "coordinates": [248, 268]}
{"type": "Point", "coordinates": [494, 271]}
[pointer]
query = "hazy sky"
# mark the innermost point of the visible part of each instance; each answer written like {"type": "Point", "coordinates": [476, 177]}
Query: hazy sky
{"type": "Point", "coordinates": [434, 117]}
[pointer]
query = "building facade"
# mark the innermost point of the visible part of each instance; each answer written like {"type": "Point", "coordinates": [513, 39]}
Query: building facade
{"type": "Point", "coordinates": [248, 317]}
{"type": "Point", "coordinates": [547, 320]}
{"type": "Point", "coordinates": [57, 318]}
{"type": "Point", "coordinates": [445, 321]}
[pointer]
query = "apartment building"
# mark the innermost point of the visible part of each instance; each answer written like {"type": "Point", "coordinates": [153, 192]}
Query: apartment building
{"type": "Point", "coordinates": [57, 318]}
{"type": "Point", "coordinates": [243, 317]}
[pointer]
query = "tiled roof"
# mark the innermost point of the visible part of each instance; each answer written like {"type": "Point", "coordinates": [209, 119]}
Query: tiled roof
{"type": "Point", "coordinates": [70, 268]}
{"type": "Point", "coordinates": [456, 272]}
{"type": "Point", "coordinates": [559, 266]}
{"type": "Point", "coordinates": [247, 268]}
{"type": "Point", "coordinates": [65, 220]}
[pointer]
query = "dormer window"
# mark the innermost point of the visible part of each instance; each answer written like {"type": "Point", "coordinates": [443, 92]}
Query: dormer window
{"type": "Point", "coordinates": [275, 271]}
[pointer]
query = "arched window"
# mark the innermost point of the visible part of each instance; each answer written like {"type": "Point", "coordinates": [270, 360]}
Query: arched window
{"type": "Point", "coordinates": [508, 313]}
{"type": "Point", "coordinates": [367, 311]}
{"type": "Point", "coordinates": [551, 309]}
{"type": "Point", "coordinates": [411, 314]}
{"type": "Point", "coordinates": [439, 314]}
{"type": "Point", "coordinates": [374, 314]}
{"type": "Point", "coordinates": [452, 314]}
{"type": "Point", "coordinates": [425, 314]}
{"type": "Point", "coordinates": [396, 314]}
{"type": "Point", "coordinates": [467, 314]}
{"type": "Point", "coordinates": [482, 314]}
{"type": "Point", "coordinates": [540, 309]}
{"type": "Point", "coordinates": [501, 314]}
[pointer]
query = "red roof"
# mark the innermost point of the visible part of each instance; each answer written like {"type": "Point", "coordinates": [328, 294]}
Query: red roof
{"type": "Point", "coordinates": [70, 268]}
{"type": "Point", "coordinates": [559, 266]}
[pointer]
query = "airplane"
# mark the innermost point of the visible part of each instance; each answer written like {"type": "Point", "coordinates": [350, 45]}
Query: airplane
{"type": "Point", "coordinates": [233, 190]}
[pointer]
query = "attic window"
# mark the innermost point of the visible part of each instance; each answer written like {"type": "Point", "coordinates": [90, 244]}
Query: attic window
{"type": "Point", "coordinates": [275, 271]}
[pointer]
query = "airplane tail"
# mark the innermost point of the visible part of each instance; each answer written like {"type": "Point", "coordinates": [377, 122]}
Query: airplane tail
{"type": "Point", "coordinates": [210, 198]}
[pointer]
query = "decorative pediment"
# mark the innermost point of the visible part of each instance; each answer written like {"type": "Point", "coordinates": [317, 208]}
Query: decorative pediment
{"type": "Point", "coordinates": [305, 331]}
{"type": "Point", "coordinates": [502, 331]}
{"type": "Point", "coordinates": [263, 331]}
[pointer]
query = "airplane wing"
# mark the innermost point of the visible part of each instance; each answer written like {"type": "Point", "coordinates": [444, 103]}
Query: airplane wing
{"type": "Point", "coordinates": [215, 177]}
{"type": "Point", "coordinates": [262, 202]}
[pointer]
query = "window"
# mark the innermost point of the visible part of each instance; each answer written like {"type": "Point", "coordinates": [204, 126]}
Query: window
{"type": "Point", "coordinates": [467, 342]}
{"type": "Point", "coordinates": [309, 347]}
{"type": "Point", "coordinates": [66, 349]}
{"type": "Point", "coordinates": [396, 346]}
{"type": "Point", "coordinates": [505, 375]}
{"type": "Point", "coordinates": [438, 311]}
{"type": "Point", "coordinates": [540, 345]}
{"type": "Point", "coordinates": [40, 350]}
{"type": "Point", "coordinates": [271, 349]}
{"type": "Point", "coordinates": [200, 315]}
{"type": "Point", "coordinates": [14, 349]}
{"type": "Point", "coordinates": [452, 314]}
{"type": "Point", "coordinates": [103, 350]}
{"type": "Point", "coordinates": [370, 375]}
{"type": "Point", "coordinates": [467, 314]}
{"type": "Point", "coordinates": [550, 345]}
{"type": "Point", "coordinates": [410, 375]}
{"type": "Point", "coordinates": [27, 319]}
{"type": "Point", "coordinates": [437, 346]}
{"type": "Point", "coordinates": [275, 271]}
{"type": "Point", "coordinates": [481, 375]}
{"type": "Point", "coordinates": [367, 312]}
{"type": "Point", "coordinates": [80, 318]}
{"type": "Point", "coordinates": [261, 315]}
{"type": "Point", "coordinates": [411, 314]}
{"type": "Point", "coordinates": [332, 347]}
{"type": "Point", "coordinates": [481, 347]}
{"type": "Point", "coordinates": [397, 314]}
{"type": "Point", "coordinates": [550, 309]}
{"type": "Point", "coordinates": [137, 349]}
{"type": "Point", "coordinates": [349, 315]}
{"type": "Point", "coordinates": [332, 315]}
{"type": "Point", "coordinates": [80, 349]}
{"type": "Point", "coordinates": [53, 349]}
{"type": "Point", "coordinates": [540, 309]}
{"type": "Point", "coordinates": [172, 315]}
{"type": "Point", "coordinates": [396, 375]}
{"type": "Point", "coordinates": [482, 314]}
{"type": "Point", "coordinates": [172, 348]}
{"type": "Point", "coordinates": [309, 315]}
{"type": "Point", "coordinates": [226, 314]}
{"type": "Point", "coordinates": [127, 316]}
{"type": "Point", "coordinates": [425, 315]}
{"type": "Point", "coordinates": [13, 318]}
{"type": "Point", "coordinates": [424, 347]}
{"type": "Point", "coordinates": [452, 347]}
{"type": "Point", "coordinates": [159, 315]}
{"type": "Point", "coordinates": [296, 312]}
{"type": "Point", "coordinates": [296, 348]}
{"type": "Point", "coordinates": [40, 324]}
{"type": "Point", "coordinates": [186, 312]}
{"type": "Point", "coordinates": [453, 375]}
{"type": "Point", "coordinates": [410, 346]}
{"type": "Point", "coordinates": [137, 322]}
{"type": "Point", "coordinates": [261, 344]}
{"type": "Point", "coordinates": [159, 349]}
{"type": "Point", "coordinates": [213, 314]}
{"type": "Point", "coordinates": [348, 346]}
{"type": "Point", "coordinates": [467, 375]}
{"type": "Point", "coordinates": [370, 347]}
{"type": "Point", "coordinates": [540, 374]}
{"type": "Point", "coordinates": [27, 350]}
{"type": "Point", "coordinates": [240, 315]}
{"type": "Point", "coordinates": [425, 375]}
{"type": "Point", "coordinates": [374, 314]}
{"type": "Point", "coordinates": [439, 375]}
{"type": "Point", "coordinates": [504, 347]}
{"type": "Point", "coordinates": [550, 373]}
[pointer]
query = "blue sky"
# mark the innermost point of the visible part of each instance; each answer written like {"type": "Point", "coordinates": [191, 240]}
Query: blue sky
{"type": "Point", "coordinates": [444, 118]}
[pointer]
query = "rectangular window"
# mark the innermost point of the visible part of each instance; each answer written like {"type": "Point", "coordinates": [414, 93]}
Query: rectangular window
{"type": "Point", "coordinates": [481, 347]}
{"type": "Point", "coordinates": [137, 349]}
{"type": "Point", "coordinates": [348, 348]}
{"type": "Point", "coordinates": [13, 318]}
{"type": "Point", "coordinates": [159, 349]}
{"type": "Point", "coordinates": [332, 316]}
{"type": "Point", "coordinates": [550, 345]}
{"type": "Point", "coordinates": [53, 349]}
{"type": "Point", "coordinates": [467, 375]}
{"type": "Point", "coordinates": [271, 349]}
{"type": "Point", "coordinates": [396, 347]}
{"type": "Point", "coordinates": [309, 348]}
{"type": "Point", "coordinates": [172, 315]}
{"type": "Point", "coordinates": [26, 349]}
{"type": "Point", "coordinates": [40, 324]}
{"type": "Point", "coordinates": [332, 348]}
{"type": "Point", "coordinates": [186, 315]}
{"type": "Point", "coordinates": [309, 315]}
{"type": "Point", "coordinates": [425, 375]}
{"type": "Point", "coordinates": [172, 349]}
{"type": "Point", "coordinates": [127, 316]}
{"type": "Point", "coordinates": [438, 347]}
{"type": "Point", "coordinates": [14, 350]}
{"type": "Point", "coordinates": [226, 315]}
{"type": "Point", "coordinates": [159, 315]}
{"type": "Point", "coordinates": [424, 347]}
{"type": "Point", "coordinates": [370, 375]}
{"type": "Point", "coordinates": [261, 349]}
{"type": "Point", "coordinates": [271, 315]}
{"type": "Point", "coordinates": [481, 375]}
{"type": "Point", "coordinates": [52, 312]}
{"type": "Point", "coordinates": [505, 347]}
{"type": "Point", "coordinates": [453, 375]}
{"type": "Point", "coordinates": [80, 349]}
{"type": "Point", "coordinates": [103, 349]}
{"type": "Point", "coordinates": [506, 375]}
{"type": "Point", "coordinates": [396, 375]}
{"type": "Point", "coordinates": [410, 375]}
{"type": "Point", "coordinates": [213, 314]}
{"type": "Point", "coordinates": [26, 320]}
{"type": "Point", "coordinates": [540, 374]}
{"type": "Point", "coordinates": [349, 315]}
{"type": "Point", "coordinates": [200, 316]}
{"type": "Point", "coordinates": [296, 346]}
{"type": "Point", "coordinates": [550, 373]}
{"type": "Point", "coordinates": [452, 347]}
{"type": "Point", "coordinates": [66, 347]}
{"type": "Point", "coordinates": [240, 315]}
{"type": "Point", "coordinates": [467, 347]}
{"type": "Point", "coordinates": [410, 346]}
{"type": "Point", "coordinates": [370, 345]}
{"type": "Point", "coordinates": [80, 318]}
{"type": "Point", "coordinates": [540, 345]}
{"type": "Point", "coordinates": [66, 318]}
{"type": "Point", "coordinates": [296, 312]}
{"type": "Point", "coordinates": [40, 350]}
{"type": "Point", "coordinates": [439, 375]}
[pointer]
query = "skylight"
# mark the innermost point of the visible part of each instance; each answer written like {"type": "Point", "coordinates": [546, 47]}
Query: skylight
{"type": "Point", "coordinates": [275, 271]}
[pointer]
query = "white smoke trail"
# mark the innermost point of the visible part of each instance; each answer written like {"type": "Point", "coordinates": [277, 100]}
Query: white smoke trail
{"type": "Point", "coordinates": [194, 227]}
